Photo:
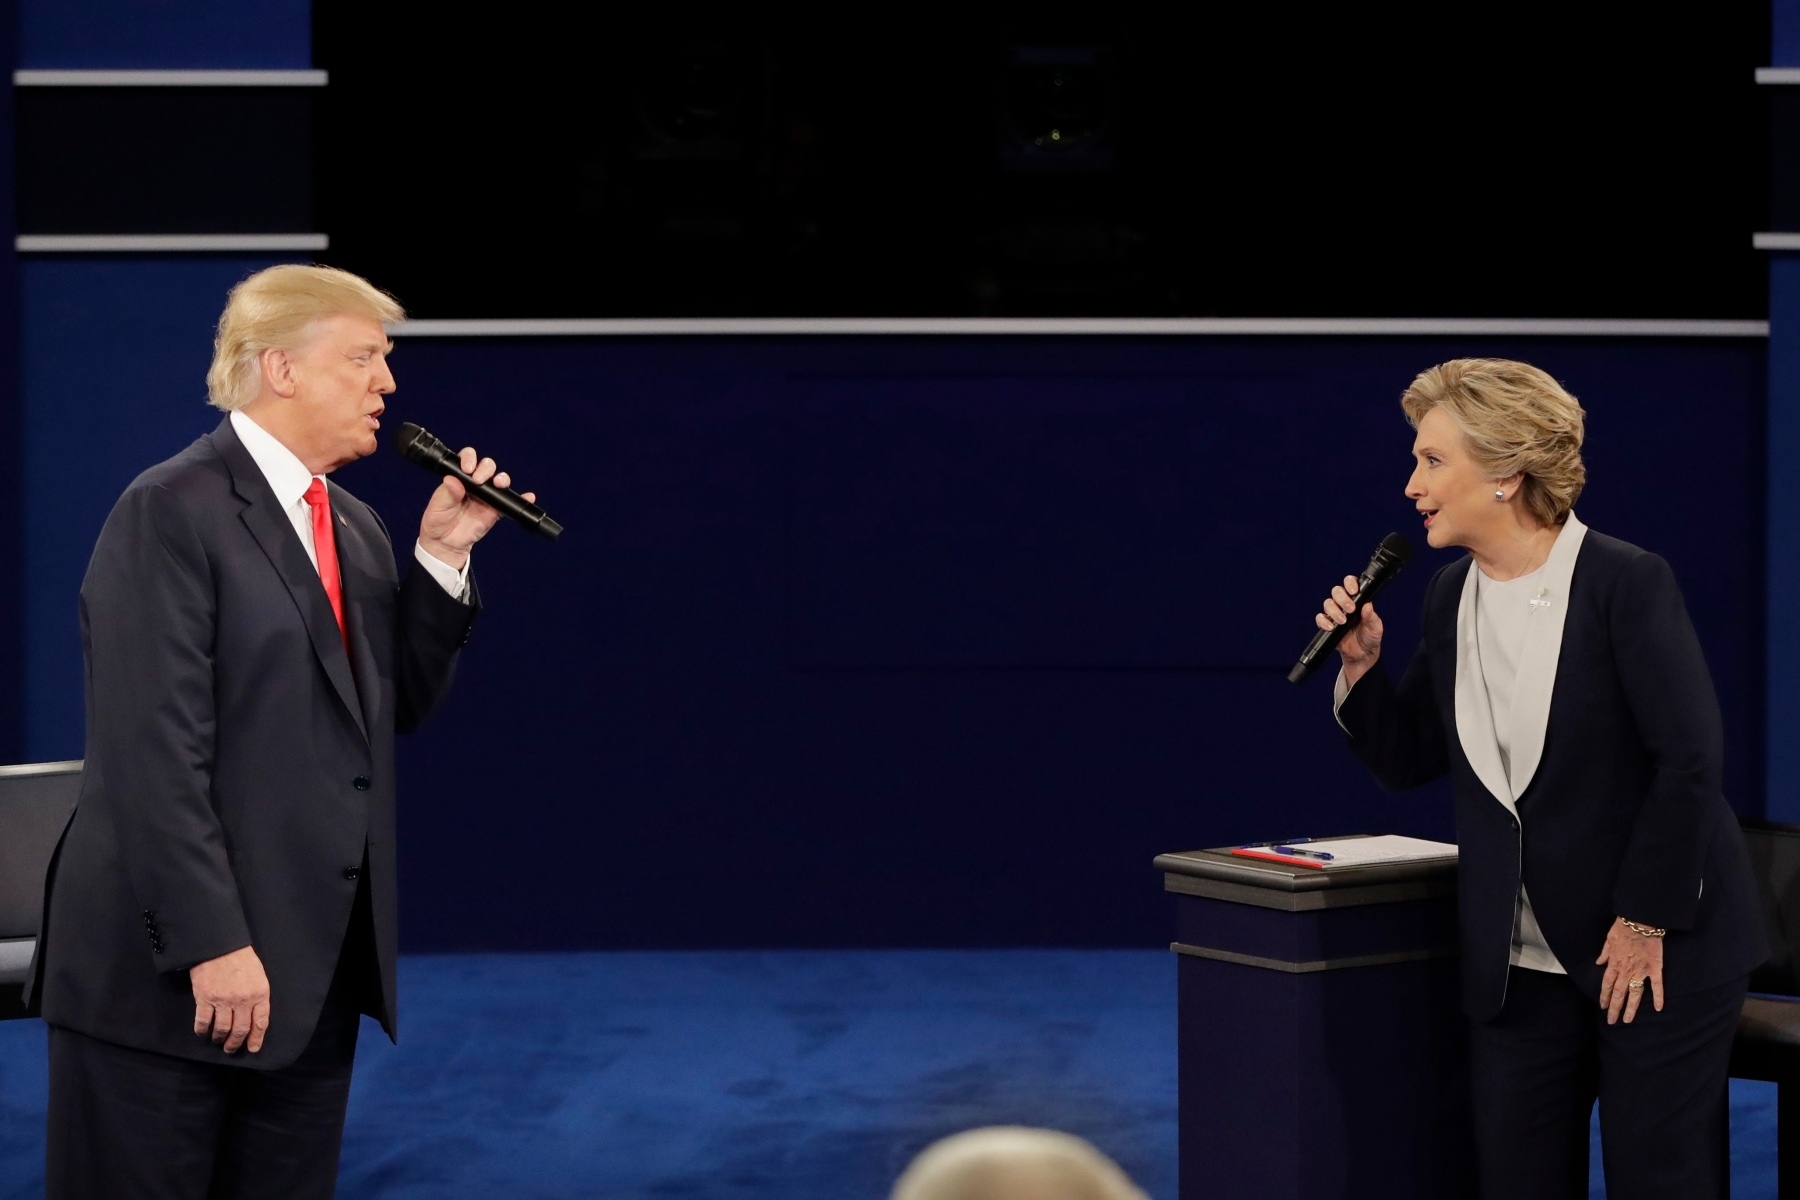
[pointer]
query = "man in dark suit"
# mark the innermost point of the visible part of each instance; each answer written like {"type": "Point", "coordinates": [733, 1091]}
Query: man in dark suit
{"type": "Point", "coordinates": [222, 906]}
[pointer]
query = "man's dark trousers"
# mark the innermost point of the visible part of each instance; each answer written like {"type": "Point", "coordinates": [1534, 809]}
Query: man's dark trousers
{"type": "Point", "coordinates": [133, 1123]}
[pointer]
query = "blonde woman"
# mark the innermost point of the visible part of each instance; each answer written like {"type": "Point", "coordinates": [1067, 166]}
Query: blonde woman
{"type": "Point", "coordinates": [1608, 914]}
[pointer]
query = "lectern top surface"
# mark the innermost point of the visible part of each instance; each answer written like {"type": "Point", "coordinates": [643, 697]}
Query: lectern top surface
{"type": "Point", "coordinates": [1220, 864]}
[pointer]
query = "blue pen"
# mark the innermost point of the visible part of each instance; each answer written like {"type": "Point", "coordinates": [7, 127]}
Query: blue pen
{"type": "Point", "coordinates": [1271, 845]}
{"type": "Point", "coordinates": [1284, 849]}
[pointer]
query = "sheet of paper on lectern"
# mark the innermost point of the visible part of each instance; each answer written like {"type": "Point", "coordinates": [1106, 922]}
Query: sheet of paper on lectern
{"type": "Point", "coordinates": [1356, 852]}
{"type": "Point", "coordinates": [1388, 848]}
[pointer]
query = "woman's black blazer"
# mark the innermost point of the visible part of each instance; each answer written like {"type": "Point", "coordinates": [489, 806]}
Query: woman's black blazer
{"type": "Point", "coordinates": [1625, 816]}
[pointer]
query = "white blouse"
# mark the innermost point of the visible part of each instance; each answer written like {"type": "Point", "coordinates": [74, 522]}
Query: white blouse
{"type": "Point", "coordinates": [1503, 614]}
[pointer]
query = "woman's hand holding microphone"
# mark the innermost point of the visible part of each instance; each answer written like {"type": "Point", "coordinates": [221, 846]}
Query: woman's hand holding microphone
{"type": "Point", "coordinates": [1361, 647]}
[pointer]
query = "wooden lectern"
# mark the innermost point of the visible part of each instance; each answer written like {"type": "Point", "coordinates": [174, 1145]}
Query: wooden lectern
{"type": "Point", "coordinates": [1323, 1047]}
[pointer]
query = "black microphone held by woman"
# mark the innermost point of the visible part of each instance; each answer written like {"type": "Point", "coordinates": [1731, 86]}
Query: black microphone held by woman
{"type": "Point", "coordinates": [418, 445]}
{"type": "Point", "coordinates": [1384, 564]}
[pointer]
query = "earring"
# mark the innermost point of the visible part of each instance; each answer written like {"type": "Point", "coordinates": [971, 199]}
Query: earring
{"type": "Point", "coordinates": [1500, 495]}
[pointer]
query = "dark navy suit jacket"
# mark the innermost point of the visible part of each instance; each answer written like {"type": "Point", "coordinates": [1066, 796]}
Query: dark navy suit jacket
{"type": "Point", "coordinates": [1625, 817]}
{"type": "Point", "coordinates": [239, 762]}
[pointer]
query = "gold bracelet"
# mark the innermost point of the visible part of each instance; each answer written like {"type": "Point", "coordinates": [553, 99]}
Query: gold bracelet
{"type": "Point", "coordinates": [1642, 930]}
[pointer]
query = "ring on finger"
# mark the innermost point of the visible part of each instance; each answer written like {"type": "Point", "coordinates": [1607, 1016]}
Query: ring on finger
{"type": "Point", "coordinates": [1636, 985]}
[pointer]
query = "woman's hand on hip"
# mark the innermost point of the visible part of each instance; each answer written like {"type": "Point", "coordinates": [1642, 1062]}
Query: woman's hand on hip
{"type": "Point", "coordinates": [1629, 956]}
{"type": "Point", "coordinates": [1361, 647]}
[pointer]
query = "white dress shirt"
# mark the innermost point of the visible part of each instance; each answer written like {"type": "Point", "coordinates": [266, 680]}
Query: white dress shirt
{"type": "Point", "coordinates": [289, 479]}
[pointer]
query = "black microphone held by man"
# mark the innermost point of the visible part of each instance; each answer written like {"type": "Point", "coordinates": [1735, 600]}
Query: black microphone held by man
{"type": "Point", "coordinates": [416, 444]}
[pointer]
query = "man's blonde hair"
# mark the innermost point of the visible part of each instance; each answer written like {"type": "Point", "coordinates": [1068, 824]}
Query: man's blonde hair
{"type": "Point", "coordinates": [1518, 421]}
{"type": "Point", "coordinates": [1009, 1162]}
{"type": "Point", "coordinates": [275, 310]}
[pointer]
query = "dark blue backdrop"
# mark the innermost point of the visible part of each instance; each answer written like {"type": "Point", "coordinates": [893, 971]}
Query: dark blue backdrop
{"type": "Point", "coordinates": [917, 641]}
{"type": "Point", "coordinates": [114, 352]}
{"type": "Point", "coordinates": [937, 642]}
{"type": "Point", "coordinates": [860, 642]}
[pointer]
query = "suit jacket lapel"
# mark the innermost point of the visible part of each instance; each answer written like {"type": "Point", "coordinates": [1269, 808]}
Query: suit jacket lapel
{"type": "Point", "coordinates": [1540, 655]}
{"type": "Point", "coordinates": [1474, 715]}
{"type": "Point", "coordinates": [275, 534]}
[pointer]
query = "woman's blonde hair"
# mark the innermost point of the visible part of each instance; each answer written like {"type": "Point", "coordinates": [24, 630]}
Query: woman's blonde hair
{"type": "Point", "coordinates": [1518, 421]}
{"type": "Point", "coordinates": [1007, 1162]}
{"type": "Point", "coordinates": [275, 310]}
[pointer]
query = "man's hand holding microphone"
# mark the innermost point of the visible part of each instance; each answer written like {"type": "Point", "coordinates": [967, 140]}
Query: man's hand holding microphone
{"type": "Point", "coordinates": [455, 518]}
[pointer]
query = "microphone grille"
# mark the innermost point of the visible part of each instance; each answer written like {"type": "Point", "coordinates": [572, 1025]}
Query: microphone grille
{"type": "Point", "coordinates": [411, 440]}
{"type": "Point", "coordinates": [1395, 547]}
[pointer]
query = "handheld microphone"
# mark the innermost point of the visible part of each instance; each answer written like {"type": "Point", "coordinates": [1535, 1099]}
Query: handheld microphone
{"type": "Point", "coordinates": [416, 445]}
{"type": "Point", "coordinates": [1389, 557]}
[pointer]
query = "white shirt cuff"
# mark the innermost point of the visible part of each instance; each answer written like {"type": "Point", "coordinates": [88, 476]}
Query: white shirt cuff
{"type": "Point", "coordinates": [448, 577]}
{"type": "Point", "coordinates": [1339, 694]}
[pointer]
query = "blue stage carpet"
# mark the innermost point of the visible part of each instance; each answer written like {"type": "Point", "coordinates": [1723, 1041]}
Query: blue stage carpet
{"type": "Point", "coordinates": [715, 1075]}
{"type": "Point", "coordinates": [748, 1074]}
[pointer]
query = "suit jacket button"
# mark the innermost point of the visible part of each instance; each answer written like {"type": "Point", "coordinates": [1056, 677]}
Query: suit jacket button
{"type": "Point", "coordinates": [351, 873]}
{"type": "Point", "coordinates": [360, 783]}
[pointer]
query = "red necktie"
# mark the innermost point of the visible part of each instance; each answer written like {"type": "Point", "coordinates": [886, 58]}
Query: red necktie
{"type": "Point", "coordinates": [325, 548]}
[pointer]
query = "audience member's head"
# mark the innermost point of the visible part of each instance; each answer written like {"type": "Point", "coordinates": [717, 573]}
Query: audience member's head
{"type": "Point", "coordinates": [1011, 1162]}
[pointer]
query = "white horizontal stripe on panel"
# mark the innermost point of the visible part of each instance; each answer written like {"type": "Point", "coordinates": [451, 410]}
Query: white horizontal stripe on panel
{"type": "Point", "coordinates": [1778, 74]}
{"type": "Point", "coordinates": [165, 243]}
{"type": "Point", "coordinates": [1079, 326]}
{"type": "Point", "coordinates": [30, 77]}
{"type": "Point", "coordinates": [1775, 241]}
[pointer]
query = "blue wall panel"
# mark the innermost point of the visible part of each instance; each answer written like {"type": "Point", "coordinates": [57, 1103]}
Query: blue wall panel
{"type": "Point", "coordinates": [1784, 50]}
{"type": "Point", "coordinates": [889, 642]}
{"type": "Point", "coordinates": [1783, 636]}
{"type": "Point", "coordinates": [150, 34]}
{"type": "Point", "coordinates": [114, 354]}
{"type": "Point", "coordinates": [12, 526]}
